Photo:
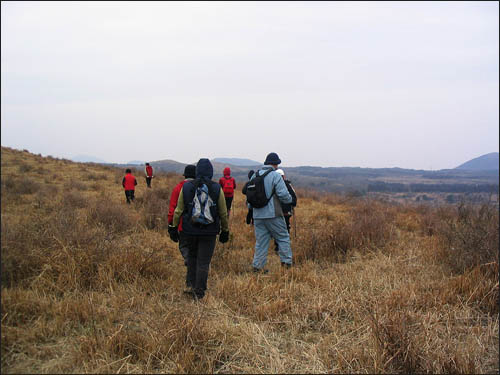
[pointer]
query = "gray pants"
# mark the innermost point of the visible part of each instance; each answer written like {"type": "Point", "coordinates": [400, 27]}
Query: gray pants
{"type": "Point", "coordinates": [265, 229]}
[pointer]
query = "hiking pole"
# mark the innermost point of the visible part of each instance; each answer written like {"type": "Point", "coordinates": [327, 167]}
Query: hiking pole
{"type": "Point", "coordinates": [233, 206]}
{"type": "Point", "coordinates": [294, 214]}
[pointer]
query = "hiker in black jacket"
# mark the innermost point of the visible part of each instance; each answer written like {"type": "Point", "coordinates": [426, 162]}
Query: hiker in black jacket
{"type": "Point", "coordinates": [201, 223]}
{"type": "Point", "coordinates": [287, 207]}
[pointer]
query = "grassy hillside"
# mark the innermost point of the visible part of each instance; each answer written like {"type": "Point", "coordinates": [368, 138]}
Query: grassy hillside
{"type": "Point", "coordinates": [91, 285]}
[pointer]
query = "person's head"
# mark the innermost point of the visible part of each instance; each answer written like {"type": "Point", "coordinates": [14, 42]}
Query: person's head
{"type": "Point", "coordinates": [147, 164]}
{"type": "Point", "coordinates": [128, 170]}
{"type": "Point", "coordinates": [250, 173]}
{"type": "Point", "coordinates": [281, 172]}
{"type": "Point", "coordinates": [190, 171]}
{"type": "Point", "coordinates": [273, 160]}
{"type": "Point", "coordinates": [204, 169]}
{"type": "Point", "coordinates": [227, 171]}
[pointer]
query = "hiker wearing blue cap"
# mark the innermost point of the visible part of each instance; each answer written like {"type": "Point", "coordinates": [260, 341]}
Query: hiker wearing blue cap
{"type": "Point", "coordinates": [265, 192]}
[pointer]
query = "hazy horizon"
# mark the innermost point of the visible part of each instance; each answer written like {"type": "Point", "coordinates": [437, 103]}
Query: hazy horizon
{"type": "Point", "coordinates": [334, 84]}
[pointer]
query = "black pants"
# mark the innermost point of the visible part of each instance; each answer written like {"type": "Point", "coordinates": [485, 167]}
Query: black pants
{"type": "Point", "coordinates": [229, 202]}
{"type": "Point", "coordinates": [148, 181]}
{"type": "Point", "coordinates": [201, 249]}
{"type": "Point", "coordinates": [184, 247]}
{"type": "Point", "coordinates": [129, 194]}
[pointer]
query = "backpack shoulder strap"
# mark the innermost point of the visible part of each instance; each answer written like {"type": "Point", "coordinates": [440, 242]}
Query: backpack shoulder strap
{"type": "Point", "coordinates": [267, 172]}
{"type": "Point", "coordinates": [274, 187]}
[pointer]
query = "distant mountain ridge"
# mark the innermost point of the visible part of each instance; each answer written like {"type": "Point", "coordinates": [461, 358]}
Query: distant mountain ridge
{"type": "Point", "coordinates": [240, 162]}
{"type": "Point", "coordinates": [485, 162]}
{"type": "Point", "coordinates": [87, 159]}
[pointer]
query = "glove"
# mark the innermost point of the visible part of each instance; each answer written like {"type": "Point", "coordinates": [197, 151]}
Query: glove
{"type": "Point", "coordinates": [173, 233]}
{"type": "Point", "coordinates": [224, 236]}
{"type": "Point", "coordinates": [249, 216]}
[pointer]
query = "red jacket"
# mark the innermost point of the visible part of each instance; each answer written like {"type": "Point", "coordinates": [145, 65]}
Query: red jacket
{"type": "Point", "coordinates": [173, 204]}
{"type": "Point", "coordinates": [226, 181]}
{"type": "Point", "coordinates": [129, 182]}
{"type": "Point", "coordinates": [149, 171]}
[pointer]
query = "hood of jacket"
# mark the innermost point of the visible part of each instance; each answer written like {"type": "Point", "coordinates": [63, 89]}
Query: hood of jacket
{"type": "Point", "coordinates": [227, 171]}
{"type": "Point", "coordinates": [204, 169]}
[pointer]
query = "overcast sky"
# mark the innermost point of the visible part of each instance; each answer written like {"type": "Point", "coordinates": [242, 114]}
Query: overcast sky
{"type": "Point", "coordinates": [375, 84]}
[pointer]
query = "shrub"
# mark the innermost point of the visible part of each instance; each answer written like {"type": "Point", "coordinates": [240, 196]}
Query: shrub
{"type": "Point", "coordinates": [73, 199]}
{"type": "Point", "coordinates": [24, 168]}
{"type": "Point", "coordinates": [471, 237]}
{"type": "Point", "coordinates": [75, 184]}
{"type": "Point", "coordinates": [94, 176]}
{"type": "Point", "coordinates": [366, 228]}
{"type": "Point", "coordinates": [156, 204]}
{"type": "Point", "coordinates": [113, 217]}
{"type": "Point", "coordinates": [22, 185]}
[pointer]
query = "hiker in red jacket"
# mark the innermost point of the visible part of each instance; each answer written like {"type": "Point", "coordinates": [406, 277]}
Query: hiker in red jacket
{"type": "Point", "coordinates": [149, 174]}
{"type": "Point", "coordinates": [128, 184]}
{"type": "Point", "coordinates": [228, 185]}
{"type": "Point", "coordinates": [190, 174]}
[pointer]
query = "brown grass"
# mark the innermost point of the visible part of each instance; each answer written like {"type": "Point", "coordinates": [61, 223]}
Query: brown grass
{"type": "Point", "coordinates": [91, 284]}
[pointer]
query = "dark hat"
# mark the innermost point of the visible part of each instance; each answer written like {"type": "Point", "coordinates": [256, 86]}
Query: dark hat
{"type": "Point", "coordinates": [190, 171]}
{"type": "Point", "coordinates": [272, 159]}
{"type": "Point", "coordinates": [204, 169]}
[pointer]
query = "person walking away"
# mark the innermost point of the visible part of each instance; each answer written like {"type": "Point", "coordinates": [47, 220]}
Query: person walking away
{"type": "Point", "coordinates": [268, 216]}
{"type": "Point", "coordinates": [189, 174]}
{"type": "Point", "coordinates": [128, 184]}
{"type": "Point", "coordinates": [228, 185]}
{"type": "Point", "coordinates": [249, 219]}
{"type": "Point", "coordinates": [204, 214]}
{"type": "Point", "coordinates": [287, 207]}
{"type": "Point", "coordinates": [149, 174]}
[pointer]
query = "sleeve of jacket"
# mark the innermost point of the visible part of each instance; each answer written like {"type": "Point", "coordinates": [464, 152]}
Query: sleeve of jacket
{"type": "Point", "coordinates": [234, 182]}
{"type": "Point", "coordinates": [281, 190]}
{"type": "Point", "coordinates": [173, 202]}
{"type": "Point", "coordinates": [178, 210]}
{"type": "Point", "coordinates": [221, 205]}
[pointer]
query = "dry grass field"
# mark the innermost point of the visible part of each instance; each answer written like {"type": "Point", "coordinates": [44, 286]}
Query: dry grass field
{"type": "Point", "coordinates": [92, 285]}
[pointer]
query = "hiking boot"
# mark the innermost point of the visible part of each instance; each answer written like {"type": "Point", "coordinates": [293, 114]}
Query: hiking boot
{"type": "Point", "coordinates": [197, 297]}
{"type": "Point", "coordinates": [286, 265]}
{"type": "Point", "coordinates": [188, 290]}
{"type": "Point", "coordinates": [198, 294]}
{"type": "Point", "coordinates": [260, 270]}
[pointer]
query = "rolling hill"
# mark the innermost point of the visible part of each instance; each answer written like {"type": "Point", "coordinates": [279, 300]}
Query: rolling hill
{"type": "Point", "coordinates": [479, 175]}
{"type": "Point", "coordinates": [482, 163]}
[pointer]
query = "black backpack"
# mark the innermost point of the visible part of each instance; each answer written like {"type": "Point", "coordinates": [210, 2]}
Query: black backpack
{"type": "Point", "coordinates": [256, 193]}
